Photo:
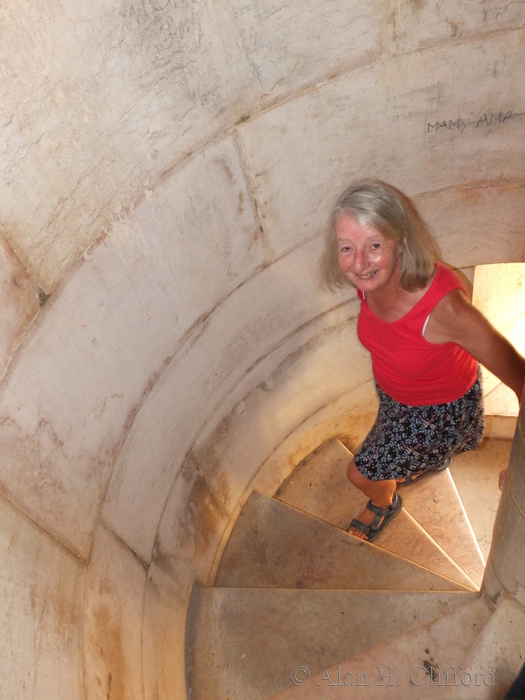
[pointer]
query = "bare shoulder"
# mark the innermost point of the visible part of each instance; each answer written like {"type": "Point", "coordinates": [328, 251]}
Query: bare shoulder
{"type": "Point", "coordinates": [454, 319]}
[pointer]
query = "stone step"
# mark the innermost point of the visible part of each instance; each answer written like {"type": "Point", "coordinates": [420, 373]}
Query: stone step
{"type": "Point", "coordinates": [274, 545]}
{"type": "Point", "coordinates": [435, 504]}
{"type": "Point", "coordinates": [475, 476]}
{"type": "Point", "coordinates": [403, 668]}
{"type": "Point", "coordinates": [319, 486]}
{"type": "Point", "coordinates": [246, 643]}
{"type": "Point", "coordinates": [495, 658]}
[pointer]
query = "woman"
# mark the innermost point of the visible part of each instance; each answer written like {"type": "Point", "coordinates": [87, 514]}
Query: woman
{"type": "Point", "coordinates": [425, 339]}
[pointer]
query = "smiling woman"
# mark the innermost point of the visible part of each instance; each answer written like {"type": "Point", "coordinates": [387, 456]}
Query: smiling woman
{"type": "Point", "coordinates": [425, 339]}
{"type": "Point", "coordinates": [376, 206]}
{"type": "Point", "coordinates": [368, 259]}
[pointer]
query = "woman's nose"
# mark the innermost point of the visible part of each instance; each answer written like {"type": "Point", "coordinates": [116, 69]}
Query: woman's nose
{"type": "Point", "coordinates": [359, 261]}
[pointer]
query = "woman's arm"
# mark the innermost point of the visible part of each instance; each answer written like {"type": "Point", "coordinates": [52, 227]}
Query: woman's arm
{"type": "Point", "coordinates": [454, 319]}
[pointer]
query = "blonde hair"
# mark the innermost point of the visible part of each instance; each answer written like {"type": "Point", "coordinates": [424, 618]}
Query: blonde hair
{"type": "Point", "coordinates": [384, 208]}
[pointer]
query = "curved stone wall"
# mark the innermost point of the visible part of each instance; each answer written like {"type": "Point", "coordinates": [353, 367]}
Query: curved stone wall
{"type": "Point", "coordinates": [166, 345]}
{"type": "Point", "coordinates": [504, 571]}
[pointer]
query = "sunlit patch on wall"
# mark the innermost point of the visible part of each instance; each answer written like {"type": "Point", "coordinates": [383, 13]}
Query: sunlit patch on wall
{"type": "Point", "coordinates": [499, 293]}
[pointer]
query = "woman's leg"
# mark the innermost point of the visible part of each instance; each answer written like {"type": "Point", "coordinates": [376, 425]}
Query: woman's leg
{"type": "Point", "coordinates": [380, 492]}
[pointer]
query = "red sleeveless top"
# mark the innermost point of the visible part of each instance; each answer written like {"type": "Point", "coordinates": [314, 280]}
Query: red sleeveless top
{"type": "Point", "coordinates": [407, 367]}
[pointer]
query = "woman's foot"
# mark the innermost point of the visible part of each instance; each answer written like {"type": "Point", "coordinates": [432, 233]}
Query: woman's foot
{"type": "Point", "coordinates": [374, 519]}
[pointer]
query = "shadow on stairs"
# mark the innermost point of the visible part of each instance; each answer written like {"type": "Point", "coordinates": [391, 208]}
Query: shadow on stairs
{"type": "Point", "coordinates": [301, 609]}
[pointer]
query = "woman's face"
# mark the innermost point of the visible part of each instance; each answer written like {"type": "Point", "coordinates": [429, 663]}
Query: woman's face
{"type": "Point", "coordinates": [369, 260]}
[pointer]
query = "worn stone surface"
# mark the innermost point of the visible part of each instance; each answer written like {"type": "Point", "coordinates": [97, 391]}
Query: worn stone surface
{"type": "Point", "coordinates": [420, 23]}
{"type": "Point", "coordinates": [475, 476]}
{"type": "Point", "coordinates": [498, 650]}
{"type": "Point", "coordinates": [125, 89]}
{"type": "Point", "coordinates": [459, 216]}
{"type": "Point", "coordinates": [400, 129]}
{"type": "Point", "coordinates": [310, 377]}
{"type": "Point", "coordinates": [200, 146]}
{"type": "Point", "coordinates": [316, 629]}
{"type": "Point", "coordinates": [105, 338]}
{"type": "Point", "coordinates": [504, 569]}
{"type": "Point", "coordinates": [431, 505]}
{"type": "Point", "coordinates": [164, 634]}
{"type": "Point", "coordinates": [349, 417]}
{"type": "Point", "coordinates": [19, 302]}
{"type": "Point", "coordinates": [400, 668]}
{"type": "Point", "coordinates": [508, 536]}
{"type": "Point", "coordinates": [434, 504]}
{"type": "Point", "coordinates": [276, 546]}
{"type": "Point", "coordinates": [320, 487]}
{"type": "Point", "coordinates": [41, 589]}
{"type": "Point", "coordinates": [194, 392]}
{"type": "Point", "coordinates": [113, 615]}
{"type": "Point", "coordinates": [194, 519]}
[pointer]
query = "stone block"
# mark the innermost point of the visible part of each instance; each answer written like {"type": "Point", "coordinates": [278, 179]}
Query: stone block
{"type": "Point", "coordinates": [101, 343]}
{"type": "Point", "coordinates": [164, 637]}
{"type": "Point", "coordinates": [215, 356]}
{"type": "Point", "coordinates": [420, 24]}
{"type": "Point", "coordinates": [113, 615]}
{"type": "Point", "coordinates": [192, 525]}
{"type": "Point", "coordinates": [462, 216]}
{"type": "Point", "coordinates": [422, 121]}
{"type": "Point", "coordinates": [319, 367]}
{"type": "Point", "coordinates": [349, 417]}
{"type": "Point", "coordinates": [507, 548]}
{"type": "Point", "coordinates": [125, 90]}
{"type": "Point", "coordinates": [19, 302]}
{"type": "Point", "coordinates": [41, 589]}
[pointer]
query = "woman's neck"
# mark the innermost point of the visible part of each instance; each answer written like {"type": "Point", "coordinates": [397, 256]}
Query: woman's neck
{"type": "Point", "coordinates": [393, 302]}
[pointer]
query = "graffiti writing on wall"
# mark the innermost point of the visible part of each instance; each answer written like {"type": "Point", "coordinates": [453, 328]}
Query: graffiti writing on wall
{"type": "Point", "coordinates": [486, 120]}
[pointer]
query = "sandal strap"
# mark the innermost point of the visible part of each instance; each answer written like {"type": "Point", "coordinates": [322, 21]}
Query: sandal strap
{"type": "Point", "coordinates": [367, 529]}
{"type": "Point", "coordinates": [381, 519]}
{"type": "Point", "coordinates": [360, 526]}
{"type": "Point", "coordinates": [382, 512]}
{"type": "Point", "coordinates": [410, 478]}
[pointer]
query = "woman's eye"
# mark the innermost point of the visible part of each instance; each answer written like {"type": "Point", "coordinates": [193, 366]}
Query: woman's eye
{"type": "Point", "coordinates": [376, 246]}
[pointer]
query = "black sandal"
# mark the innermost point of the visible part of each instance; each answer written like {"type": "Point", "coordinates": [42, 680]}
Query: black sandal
{"type": "Point", "coordinates": [410, 479]}
{"type": "Point", "coordinates": [383, 516]}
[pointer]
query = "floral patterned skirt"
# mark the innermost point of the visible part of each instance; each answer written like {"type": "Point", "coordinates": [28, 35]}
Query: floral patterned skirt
{"type": "Point", "coordinates": [409, 439]}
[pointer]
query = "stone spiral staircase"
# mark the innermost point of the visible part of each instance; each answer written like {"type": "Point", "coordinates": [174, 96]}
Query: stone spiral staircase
{"type": "Point", "coordinates": [300, 609]}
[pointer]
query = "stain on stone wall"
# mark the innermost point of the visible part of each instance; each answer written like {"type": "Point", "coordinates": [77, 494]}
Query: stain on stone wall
{"type": "Point", "coordinates": [415, 5]}
{"type": "Point", "coordinates": [19, 300]}
{"type": "Point", "coordinates": [110, 652]}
